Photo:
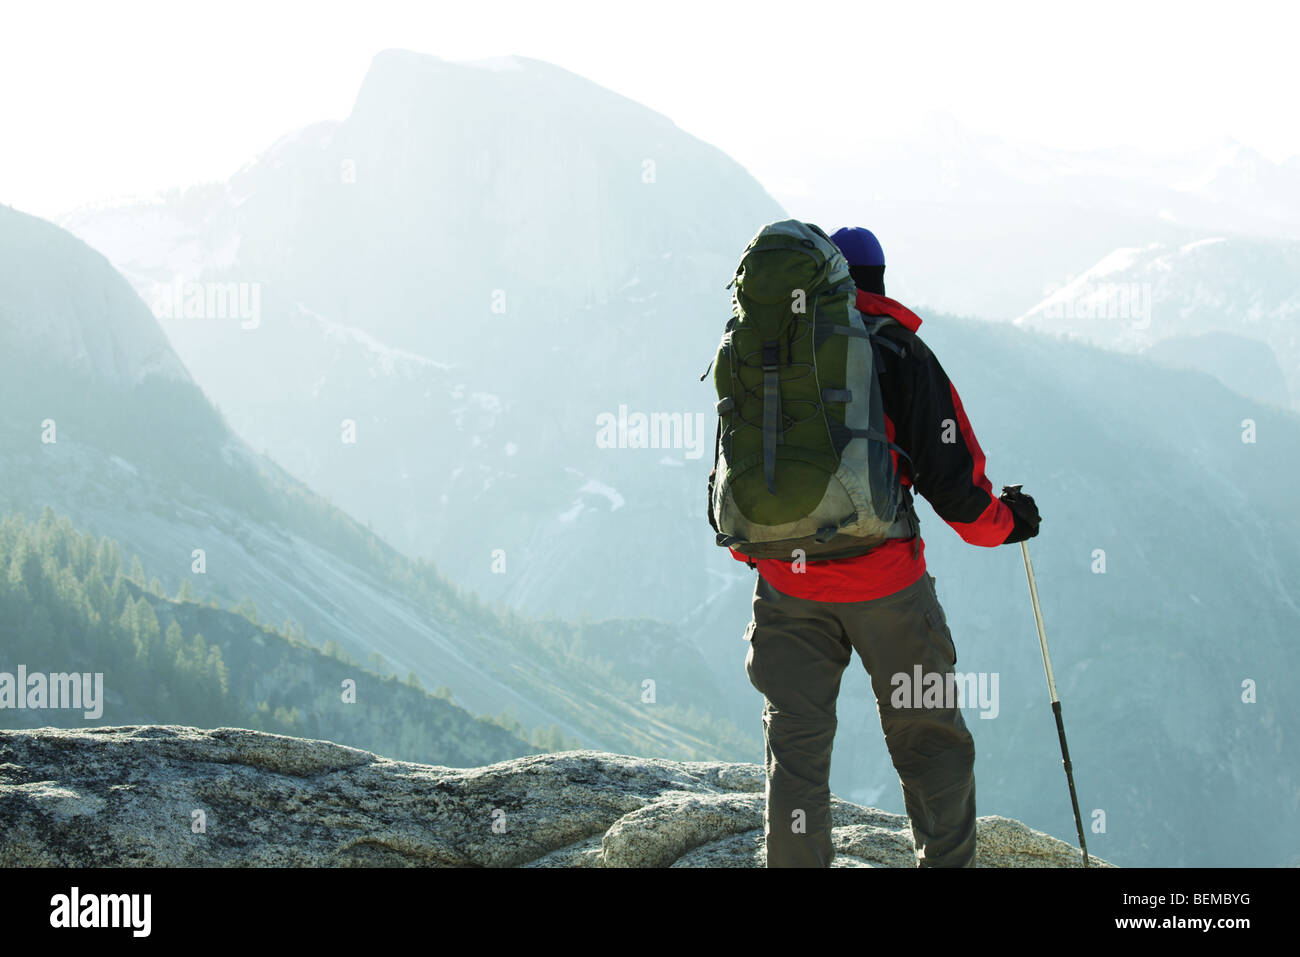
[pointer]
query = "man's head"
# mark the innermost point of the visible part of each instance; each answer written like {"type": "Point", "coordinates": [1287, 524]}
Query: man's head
{"type": "Point", "coordinates": [866, 259]}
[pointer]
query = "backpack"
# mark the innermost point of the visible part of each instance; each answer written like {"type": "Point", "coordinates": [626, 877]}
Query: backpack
{"type": "Point", "coordinates": [801, 459]}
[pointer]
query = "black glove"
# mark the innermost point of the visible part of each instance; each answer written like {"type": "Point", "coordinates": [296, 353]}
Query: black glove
{"type": "Point", "coordinates": [1025, 511]}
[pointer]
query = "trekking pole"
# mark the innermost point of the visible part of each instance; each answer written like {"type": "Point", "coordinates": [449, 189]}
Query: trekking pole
{"type": "Point", "coordinates": [1056, 701]}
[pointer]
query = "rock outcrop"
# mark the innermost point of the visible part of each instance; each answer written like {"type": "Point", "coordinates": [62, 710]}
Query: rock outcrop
{"type": "Point", "coordinates": [175, 797]}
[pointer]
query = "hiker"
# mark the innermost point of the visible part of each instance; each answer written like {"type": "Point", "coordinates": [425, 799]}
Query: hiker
{"type": "Point", "coordinates": [810, 615]}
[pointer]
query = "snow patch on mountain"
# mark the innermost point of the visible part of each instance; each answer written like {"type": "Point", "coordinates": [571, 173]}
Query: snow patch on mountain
{"type": "Point", "coordinates": [1200, 243]}
{"type": "Point", "coordinates": [388, 356]}
{"type": "Point", "coordinates": [593, 487]}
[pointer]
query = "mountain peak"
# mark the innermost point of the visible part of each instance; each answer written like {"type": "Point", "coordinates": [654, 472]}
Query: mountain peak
{"type": "Point", "coordinates": [87, 317]}
{"type": "Point", "coordinates": [422, 80]}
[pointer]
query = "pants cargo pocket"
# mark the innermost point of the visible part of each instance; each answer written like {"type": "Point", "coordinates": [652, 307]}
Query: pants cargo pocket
{"type": "Point", "coordinates": [937, 619]}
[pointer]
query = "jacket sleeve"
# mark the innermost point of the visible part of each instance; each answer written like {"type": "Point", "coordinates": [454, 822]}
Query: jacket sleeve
{"type": "Point", "coordinates": [947, 463]}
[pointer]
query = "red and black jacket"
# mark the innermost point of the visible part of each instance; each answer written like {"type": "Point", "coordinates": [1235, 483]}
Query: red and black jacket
{"type": "Point", "coordinates": [925, 418]}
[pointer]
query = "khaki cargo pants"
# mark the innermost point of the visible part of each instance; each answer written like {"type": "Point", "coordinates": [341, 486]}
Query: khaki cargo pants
{"type": "Point", "coordinates": [798, 650]}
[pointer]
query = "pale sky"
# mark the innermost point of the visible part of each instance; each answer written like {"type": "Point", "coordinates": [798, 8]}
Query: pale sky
{"type": "Point", "coordinates": [113, 99]}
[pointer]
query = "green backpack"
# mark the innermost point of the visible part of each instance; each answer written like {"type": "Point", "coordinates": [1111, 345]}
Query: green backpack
{"type": "Point", "coordinates": [801, 460]}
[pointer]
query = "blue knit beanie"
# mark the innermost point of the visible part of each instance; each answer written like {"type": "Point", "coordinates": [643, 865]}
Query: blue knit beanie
{"type": "Point", "coordinates": [859, 246]}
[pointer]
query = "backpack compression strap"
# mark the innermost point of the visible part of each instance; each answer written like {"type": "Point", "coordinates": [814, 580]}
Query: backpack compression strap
{"type": "Point", "coordinates": [771, 413]}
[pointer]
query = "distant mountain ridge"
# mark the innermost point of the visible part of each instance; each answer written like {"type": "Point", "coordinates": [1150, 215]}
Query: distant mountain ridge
{"type": "Point", "coordinates": [977, 225]}
{"type": "Point", "coordinates": [1229, 306]}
